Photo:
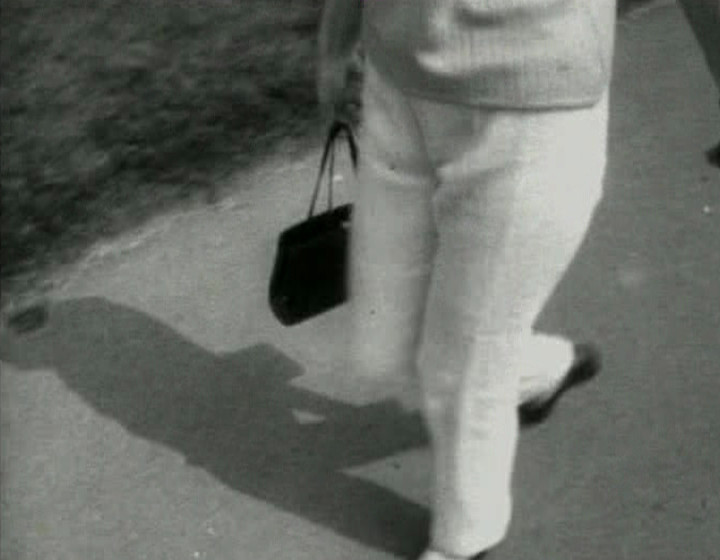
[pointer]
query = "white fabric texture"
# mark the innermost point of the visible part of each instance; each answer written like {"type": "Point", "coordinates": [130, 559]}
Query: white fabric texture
{"type": "Point", "coordinates": [494, 53]}
{"type": "Point", "coordinates": [465, 221]}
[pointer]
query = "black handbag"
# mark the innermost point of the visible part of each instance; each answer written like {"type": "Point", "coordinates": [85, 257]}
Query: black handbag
{"type": "Point", "coordinates": [309, 275]}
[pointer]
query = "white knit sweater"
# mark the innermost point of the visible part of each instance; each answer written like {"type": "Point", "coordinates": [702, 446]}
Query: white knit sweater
{"type": "Point", "coordinates": [523, 54]}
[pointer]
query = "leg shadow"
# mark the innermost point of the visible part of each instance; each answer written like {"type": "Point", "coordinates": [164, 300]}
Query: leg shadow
{"type": "Point", "coordinates": [232, 415]}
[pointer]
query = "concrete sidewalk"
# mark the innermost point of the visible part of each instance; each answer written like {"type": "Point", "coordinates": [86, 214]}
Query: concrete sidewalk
{"type": "Point", "coordinates": [164, 414]}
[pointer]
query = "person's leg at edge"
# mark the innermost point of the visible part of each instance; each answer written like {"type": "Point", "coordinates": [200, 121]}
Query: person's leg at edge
{"type": "Point", "coordinates": [517, 193]}
{"type": "Point", "coordinates": [704, 19]}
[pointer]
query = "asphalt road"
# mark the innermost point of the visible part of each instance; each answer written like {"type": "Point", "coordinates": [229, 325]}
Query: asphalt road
{"type": "Point", "coordinates": [162, 413]}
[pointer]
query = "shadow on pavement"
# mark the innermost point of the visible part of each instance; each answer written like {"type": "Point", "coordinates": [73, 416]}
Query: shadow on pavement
{"type": "Point", "coordinates": [232, 415]}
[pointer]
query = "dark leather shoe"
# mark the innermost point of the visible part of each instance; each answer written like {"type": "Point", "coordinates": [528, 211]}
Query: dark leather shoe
{"type": "Point", "coordinates": [586, 364]}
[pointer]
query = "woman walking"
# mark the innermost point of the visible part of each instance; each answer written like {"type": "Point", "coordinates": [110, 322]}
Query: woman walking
{"type": "Point", "coordinates": [483, 151]}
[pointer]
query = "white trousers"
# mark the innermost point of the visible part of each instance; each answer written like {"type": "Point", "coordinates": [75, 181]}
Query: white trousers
{"type": "Point", "coordinates": [465, 221]}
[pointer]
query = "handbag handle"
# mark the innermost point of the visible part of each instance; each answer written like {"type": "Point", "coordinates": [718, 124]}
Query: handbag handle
{"type": "Point", "coordinates": [327, 163]}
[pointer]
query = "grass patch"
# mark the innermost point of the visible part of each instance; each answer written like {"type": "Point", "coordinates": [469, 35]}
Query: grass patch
{"type": "Point", "coordinates": [114, 109]}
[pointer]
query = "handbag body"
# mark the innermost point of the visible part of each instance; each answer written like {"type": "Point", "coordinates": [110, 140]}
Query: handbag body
{"type": "Point", "coordinates": [309, 275]}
